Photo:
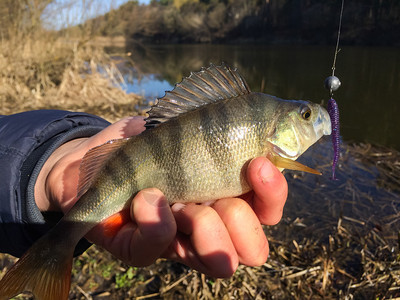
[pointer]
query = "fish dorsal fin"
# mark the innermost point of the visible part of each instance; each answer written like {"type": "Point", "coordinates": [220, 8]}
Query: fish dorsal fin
{"type": "Point", "coordinates": [93, 161]}
{"type": "Point", "coordinates": [209, 85]}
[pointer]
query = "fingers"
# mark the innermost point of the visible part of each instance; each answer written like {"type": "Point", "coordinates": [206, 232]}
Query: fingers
{"type": "Point", "coordinates": [244, 229]}
{"type": "Point", "coordinates": [215, 239]}
{"type": "Point", "coordinates": [142, 241]}
{"type": "Point", "coordinates": [212, 239]}
{"type": "Point", "coordinates": [205, 244]}
{"type": "Point", "coordinates": [156, 227]}
{"type": "Point", "coordinates": [270, 190]}
{"type": "Point", "coordinates": [124, 128]}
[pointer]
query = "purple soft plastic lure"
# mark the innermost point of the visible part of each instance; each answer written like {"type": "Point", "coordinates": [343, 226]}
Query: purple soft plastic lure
{"type": "Point", "coordinates": [333, 111]}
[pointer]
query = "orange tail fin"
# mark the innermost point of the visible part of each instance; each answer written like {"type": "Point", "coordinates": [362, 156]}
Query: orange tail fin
{"type": "Point", "coordinates": [45, 270]}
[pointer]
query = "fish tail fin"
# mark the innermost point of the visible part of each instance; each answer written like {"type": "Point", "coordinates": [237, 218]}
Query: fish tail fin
{"type": "Point", "coordinates": [44, 270]}
{"type": "Point", "coordinates": [285, 163]}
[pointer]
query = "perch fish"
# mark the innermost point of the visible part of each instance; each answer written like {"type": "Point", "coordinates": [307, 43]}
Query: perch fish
{"type": "Point", "coordinates": [199, 138]}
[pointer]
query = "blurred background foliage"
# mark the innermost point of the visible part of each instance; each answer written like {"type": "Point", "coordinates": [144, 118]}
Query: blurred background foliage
{"type": "Point", "coordinates": [373, 22]}
{"type": "Point", "coordinates": [21, 17]}
{"type": "Point", "coordinates": [41, 67]}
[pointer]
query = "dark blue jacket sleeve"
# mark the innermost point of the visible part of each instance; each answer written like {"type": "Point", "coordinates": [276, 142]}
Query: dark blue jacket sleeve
{"type": "Point", "coordinates": [26, 141]}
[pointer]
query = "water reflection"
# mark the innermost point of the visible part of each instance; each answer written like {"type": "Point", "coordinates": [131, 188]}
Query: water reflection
{"type": "Point", "coordinates": [367, 99]}
{"type": "Point", "coordinates": [148, 86]}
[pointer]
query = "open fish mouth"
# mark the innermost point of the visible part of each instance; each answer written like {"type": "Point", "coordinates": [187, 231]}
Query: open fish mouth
{"type": "Point", "coordinates": [282, 153]}
{"type": "Point", "coordinates": [322, 124]}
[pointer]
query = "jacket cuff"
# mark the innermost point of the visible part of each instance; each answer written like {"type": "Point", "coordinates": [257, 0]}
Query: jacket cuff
{"type": "Point", "coordinates": [40, 155]}
{"type": "Point", "coordinates": [26, 141]}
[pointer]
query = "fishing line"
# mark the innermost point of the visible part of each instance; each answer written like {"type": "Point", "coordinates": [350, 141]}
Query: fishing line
{"type": "Point", "coordinates": [338, 39]}
{"type": "Point", "coordinates": [332, 83]}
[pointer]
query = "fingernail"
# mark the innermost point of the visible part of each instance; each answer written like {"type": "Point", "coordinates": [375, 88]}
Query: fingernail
{"type": "Point", "coordinates": [154, 198]}
{"type": "Point", "coordinates": [177, 207]}
{"type": "Point", "coordinates": [265, 172]}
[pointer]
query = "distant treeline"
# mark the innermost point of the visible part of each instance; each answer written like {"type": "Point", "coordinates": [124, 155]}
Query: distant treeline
{"type": "Point", "coordinates": [366, 22]}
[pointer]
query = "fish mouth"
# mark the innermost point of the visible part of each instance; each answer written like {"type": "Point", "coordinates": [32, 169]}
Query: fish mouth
{"type": "Point", "coordinates": [322, 124]}
{"type": "Point", "coordinates": [279, 151]}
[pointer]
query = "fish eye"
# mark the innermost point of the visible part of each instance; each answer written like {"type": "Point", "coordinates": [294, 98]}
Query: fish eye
{"type": "Point", "coordinates": [306, 113]}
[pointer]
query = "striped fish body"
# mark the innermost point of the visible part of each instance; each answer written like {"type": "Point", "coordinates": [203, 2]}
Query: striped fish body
{"type": "Point", "coordinates": [196, 157]}
{"type": "Point", "coordinates": [198, 153]}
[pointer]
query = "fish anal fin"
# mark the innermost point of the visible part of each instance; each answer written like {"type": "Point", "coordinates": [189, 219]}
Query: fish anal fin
{"type": "Point", "coordinates": [209, 85]}
{"type": "Point", "coordinates": [42, 271]}
{"type": "Point", "coordinates": [286, 163]}
{"type": "Point", "coordinates": [114, 223]}
{"type": "Point", "coordinates": [94, 160]}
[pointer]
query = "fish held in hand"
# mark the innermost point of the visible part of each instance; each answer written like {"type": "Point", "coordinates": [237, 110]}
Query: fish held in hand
{"type": "Point", "coordinates": [199, 138]}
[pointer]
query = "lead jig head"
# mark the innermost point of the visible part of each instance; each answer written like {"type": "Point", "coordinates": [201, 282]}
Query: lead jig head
{"type": "Point", "coordinates": [332, 83]}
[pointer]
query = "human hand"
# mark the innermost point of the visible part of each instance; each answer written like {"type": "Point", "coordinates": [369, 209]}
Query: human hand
{"type": "Point", "coordinates": [213, 239]}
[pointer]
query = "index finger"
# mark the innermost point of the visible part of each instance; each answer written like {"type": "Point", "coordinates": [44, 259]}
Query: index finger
{"type": "Point", "coordinates": [270, 190]}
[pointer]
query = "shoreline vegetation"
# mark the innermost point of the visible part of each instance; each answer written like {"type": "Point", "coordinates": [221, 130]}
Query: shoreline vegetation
{"type": "Point", "coordinates": [45, 69]}
{"type": "Point", "coordinates": [351, 254]}
{"type": "Point", "coordinates": [254, 21]}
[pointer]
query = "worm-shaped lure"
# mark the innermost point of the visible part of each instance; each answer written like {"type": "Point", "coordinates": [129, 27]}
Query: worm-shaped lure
{"type": "Point", "coordinates": [332, 83]}
{"type": "Point", "coordinates": [333, 111]}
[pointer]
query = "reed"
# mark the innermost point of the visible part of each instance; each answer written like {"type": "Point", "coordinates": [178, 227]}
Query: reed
{"type": "Point", "coordinates": [45, 69]}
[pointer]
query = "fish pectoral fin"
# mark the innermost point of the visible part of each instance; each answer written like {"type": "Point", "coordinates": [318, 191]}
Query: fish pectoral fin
{"type": "Point", "coordinates": [286, 163]}
{"type": "Point", "coordinates": [94, 160]}
{"type": "Point", "coordinates": [48, 276]}
{"type": "Point", "coordinates": [115, 222]}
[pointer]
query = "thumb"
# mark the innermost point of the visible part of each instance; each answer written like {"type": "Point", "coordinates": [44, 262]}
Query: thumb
{"type": "Point", "coordinates": [270, 190]}
{"type": "Point", "coordinates": [156, 227]}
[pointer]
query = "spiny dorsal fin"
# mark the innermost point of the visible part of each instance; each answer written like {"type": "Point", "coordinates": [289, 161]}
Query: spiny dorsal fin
{"type": "Point", "coordinates": [209, 85]}
{"type": "Point", "coordinates": [94, 160]}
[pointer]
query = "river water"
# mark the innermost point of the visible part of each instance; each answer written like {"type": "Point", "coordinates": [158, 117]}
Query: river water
{"type": "Point", "coordinates": [368, 98]}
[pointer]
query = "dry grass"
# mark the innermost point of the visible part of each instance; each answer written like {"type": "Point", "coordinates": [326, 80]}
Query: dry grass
{"type": "Point", "coordinates": [54, 73]}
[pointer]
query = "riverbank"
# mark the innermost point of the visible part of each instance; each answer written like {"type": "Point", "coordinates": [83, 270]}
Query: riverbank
{"type": "Point", "coordinates": [55, 74]}
{"type": "Point", "coordinates": [262, 22]}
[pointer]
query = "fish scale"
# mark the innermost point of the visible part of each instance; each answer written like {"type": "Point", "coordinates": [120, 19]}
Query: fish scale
{"type": "Point", "coordinates": [196, 147]}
